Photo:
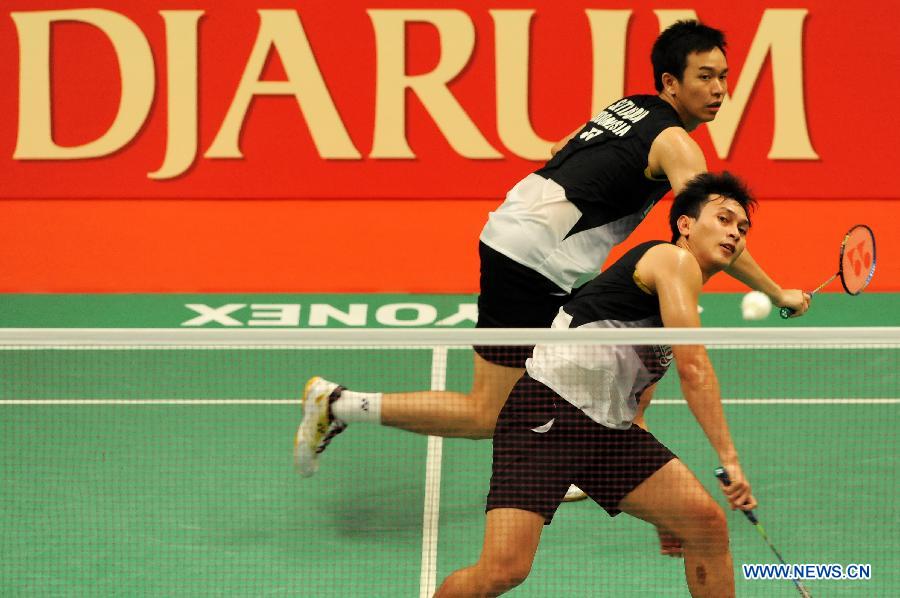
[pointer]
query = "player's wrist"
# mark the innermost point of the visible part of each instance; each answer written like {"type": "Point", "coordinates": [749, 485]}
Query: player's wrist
{"type": "Point", "coordinates": [778, 296]}
{"type": "Point", "coordinates": [728, 458]}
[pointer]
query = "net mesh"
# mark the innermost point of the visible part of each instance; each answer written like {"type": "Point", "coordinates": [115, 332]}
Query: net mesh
{"type": "Point", "coordinates": [140, 463]}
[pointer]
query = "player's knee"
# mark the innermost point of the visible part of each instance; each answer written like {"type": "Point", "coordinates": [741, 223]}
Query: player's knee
{"type": "Point", "coordinates": [483, 424]}
{"type": "Point", "coordinates": [483, 415]}
{"type": "Point", "coordinates": [707, 528]}
{"type": "Point", "coordinates": [507, 574]}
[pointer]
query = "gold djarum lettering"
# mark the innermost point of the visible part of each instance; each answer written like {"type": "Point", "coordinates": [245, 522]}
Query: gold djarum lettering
{"type": "Point", "coordinates": [778, 37]}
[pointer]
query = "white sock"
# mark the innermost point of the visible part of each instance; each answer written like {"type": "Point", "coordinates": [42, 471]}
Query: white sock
{"type": "Point", "coordinates": [358, 407]}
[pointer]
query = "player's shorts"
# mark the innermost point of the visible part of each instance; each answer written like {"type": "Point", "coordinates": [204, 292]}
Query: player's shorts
{"type": "Point", "coordinates": [514, 296]}
{"type": "Point", "coordinates": [534, 463]}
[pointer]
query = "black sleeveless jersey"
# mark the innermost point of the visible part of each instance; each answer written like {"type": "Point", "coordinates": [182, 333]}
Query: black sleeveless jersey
{"type": "Point", "coordinates": [602, 168]}
{"type": "Point", "coordinates": [605, 381]}
{"type": "Point", "coordinates": [562, 220]}
{"type": "Point", "coordinates": [614, 295]}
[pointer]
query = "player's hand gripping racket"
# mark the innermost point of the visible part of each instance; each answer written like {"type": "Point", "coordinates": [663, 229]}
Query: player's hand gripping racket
{"type": "Point", "coordinates": [751, 516]}
{"type": "Point", "coordinates": [856, 265]}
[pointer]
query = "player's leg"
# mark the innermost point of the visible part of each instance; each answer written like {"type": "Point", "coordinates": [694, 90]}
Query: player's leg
{"type": "Point", "coordinates": [454, 414]}
{"type": "Point", "coordinates": [674, 500]}
{"type": "Point", "coordinates": [432, 412]}
{"type": "Point", "coordinates": [529, 475]}
{"type": "Point", "coordinates": [511, 538]}
{"type": "Point", "coordinates": [328, 408]}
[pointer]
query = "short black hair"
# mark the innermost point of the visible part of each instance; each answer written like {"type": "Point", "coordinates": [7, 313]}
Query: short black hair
{"type": "Point", "coordinates": [697, 192]}
{"type": "Point", "coordinates": [672, 47]}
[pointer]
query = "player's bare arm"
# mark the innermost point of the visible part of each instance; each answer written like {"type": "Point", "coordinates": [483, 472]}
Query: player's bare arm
{"type": "Point", "coordinates": [675, 276]}
{"type": "Point", "coordinates": [675, 156]}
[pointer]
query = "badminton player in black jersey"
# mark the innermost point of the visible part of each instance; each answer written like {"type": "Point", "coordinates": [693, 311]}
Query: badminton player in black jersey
{"type": "Point", "coordinates": [570, 417]}
{"type": "Point", "coordinates": [552, 233]}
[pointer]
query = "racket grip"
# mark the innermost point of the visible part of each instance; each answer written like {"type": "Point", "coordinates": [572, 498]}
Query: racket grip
{"type": "Point", "coordinates": [723, 476]}
{"type": "Point", "coordinates": [726, 481]}
{"type": "Point", "coordinates": [786, 312]}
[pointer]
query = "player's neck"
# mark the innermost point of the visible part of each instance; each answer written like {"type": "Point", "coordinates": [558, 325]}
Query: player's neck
{"type": "Point", "coordinates": [689, 123]}
{"type": "Point", "coordinates": [705, 271]}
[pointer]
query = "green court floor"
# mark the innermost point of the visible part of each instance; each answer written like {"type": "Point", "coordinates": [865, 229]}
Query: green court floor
{"type": "Point", "coordinates": [103, 496]}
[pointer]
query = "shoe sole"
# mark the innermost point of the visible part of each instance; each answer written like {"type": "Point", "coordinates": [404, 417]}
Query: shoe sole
{"type": "Point", "coordinates": [306, 462]}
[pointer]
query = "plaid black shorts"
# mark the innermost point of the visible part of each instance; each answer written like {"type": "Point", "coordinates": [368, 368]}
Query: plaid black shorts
{"type": "Point", "coordinates": [534, 463]}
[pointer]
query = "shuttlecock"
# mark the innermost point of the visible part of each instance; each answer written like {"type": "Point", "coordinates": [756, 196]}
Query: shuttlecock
{"type": "Point", "coordinates": [755, 306]}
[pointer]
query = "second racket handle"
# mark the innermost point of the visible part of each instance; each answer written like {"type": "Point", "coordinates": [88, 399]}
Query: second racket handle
{"type": "Point", "coordinates": [786, 312]}
{"type": "Point", "coordinates": [726, 481]}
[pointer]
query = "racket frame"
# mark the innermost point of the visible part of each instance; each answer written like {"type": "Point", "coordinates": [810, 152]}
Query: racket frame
{"type": "Point", "coordinates": [841, 262]}
{"type": "Point", "coordinates": [786, 312]}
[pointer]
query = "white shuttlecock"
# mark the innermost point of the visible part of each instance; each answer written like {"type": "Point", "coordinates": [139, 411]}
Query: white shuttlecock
{"type": "Point", "coordinates": [755, 306]}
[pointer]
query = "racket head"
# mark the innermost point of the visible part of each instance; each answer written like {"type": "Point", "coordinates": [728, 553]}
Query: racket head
{"type": "Point", "coordinates": [857, 259]}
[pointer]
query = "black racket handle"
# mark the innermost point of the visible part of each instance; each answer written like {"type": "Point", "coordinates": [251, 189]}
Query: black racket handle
{"type": "Point", "coordinates": [726, 481]}
{"type": "Point", "coordinates": [787, 312]}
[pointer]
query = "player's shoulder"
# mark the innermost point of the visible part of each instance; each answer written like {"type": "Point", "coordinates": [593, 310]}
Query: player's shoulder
{"type": "Point", "coordinates": [676, 138]}
{"type": "Point", "coordinates": [673, 147]}
{"type": "Point", "coordinates": [667, 266]}
{"type": "Point", "coordinates": [668, 252]}
{"type": "Point", "coordinates": [667, 259]}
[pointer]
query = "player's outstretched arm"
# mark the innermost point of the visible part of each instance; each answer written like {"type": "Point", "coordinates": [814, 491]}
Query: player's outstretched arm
{"type": "Point", "coordinates": [676, 278]}
{"type": "Point", "coordinates": [746, 270]}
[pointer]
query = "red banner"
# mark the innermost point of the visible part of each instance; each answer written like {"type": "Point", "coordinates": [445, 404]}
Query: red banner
{"type": "Point", "coordinates": [300, 99]}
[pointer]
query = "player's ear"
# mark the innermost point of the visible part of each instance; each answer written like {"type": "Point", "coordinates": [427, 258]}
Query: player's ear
{"type": "Point", "coordinates": [684, 223]}
{"type": "Point", "coordinates": [670, 83]}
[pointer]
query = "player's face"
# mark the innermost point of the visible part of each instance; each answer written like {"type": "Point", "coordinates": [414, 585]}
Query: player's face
{"type": "Point", "coordinates": [719, 235]}
{"type": "Point", "coordinates": [702, 88]}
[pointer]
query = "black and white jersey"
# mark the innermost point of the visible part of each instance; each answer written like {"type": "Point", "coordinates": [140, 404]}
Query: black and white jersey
{"type": "Point", "coordinates": [562, 220]}
{"type": "Point", "coordinates": [605, 381]}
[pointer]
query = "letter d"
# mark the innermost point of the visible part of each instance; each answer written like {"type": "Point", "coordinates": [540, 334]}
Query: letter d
{"type": "Point", "coordinates": [35, 136]}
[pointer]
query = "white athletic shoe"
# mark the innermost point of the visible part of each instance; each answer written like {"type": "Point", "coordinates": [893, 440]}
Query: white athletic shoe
{"type": "Point", "coordinates": [318, 426]}
{"type": "Point", "coordinates": [574, 493]}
